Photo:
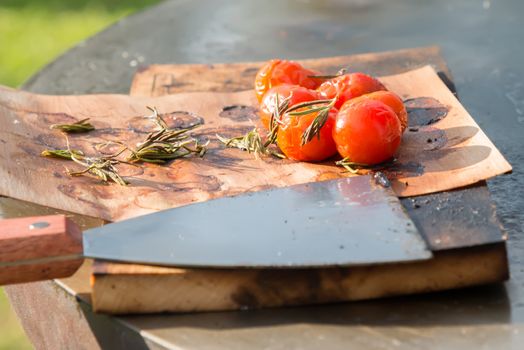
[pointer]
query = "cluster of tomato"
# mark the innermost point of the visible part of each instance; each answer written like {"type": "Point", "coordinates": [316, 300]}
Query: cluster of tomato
{"type": "Point", "coordinates": [313, 117]}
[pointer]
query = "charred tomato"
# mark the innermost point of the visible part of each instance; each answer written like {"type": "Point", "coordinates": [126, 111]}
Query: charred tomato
{"type": "Point", "coordinates": [277, 72]}
{"type": "Point", "coordinates": [367, 132]}
{"type": "Point", "coordinates": [349, 86]}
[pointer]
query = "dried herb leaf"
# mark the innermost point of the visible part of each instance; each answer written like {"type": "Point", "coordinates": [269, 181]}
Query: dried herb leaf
{"type": "Point", "coordinates": [250, 142]}
{"type": "Point", "coordinates": [355, 168]}
{"type": "Point", "coordinates": [104, 168]}
{"type": "Point", "coordinates": [160, 146]}
{"type": "Point", "coordinates": [61, 153]}
{"type": "Point", "coordinates": [166, 144]}
{"type": "Point", "coordinates": [78, 127]}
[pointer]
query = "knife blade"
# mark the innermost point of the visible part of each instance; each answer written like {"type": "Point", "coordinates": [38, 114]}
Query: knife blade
{"type": "Point", "coordinates": [348, 221]}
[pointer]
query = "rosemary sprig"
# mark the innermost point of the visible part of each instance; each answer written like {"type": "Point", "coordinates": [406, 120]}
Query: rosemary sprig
{"type": "Point", "coordinates": [354, 167]}
{"type": "Point", "coordinates": [250, 142]}
{"type": "Point", "coordinates": [78, 127]}
{"type": "Point", "coordinates": [166, 144]}
{"type": "Point", "coordinates": [103, 167]}
{"type": "Point", "coordinates": [275, 120]}
{"type": "Point", "coordinates": [308, 104]}
{"type": "Point", "coordinates": [350, 166]}
{"type": "Point", "coordinates": [61, 153]}
{"type": "Point", "coordinates": [159, 147]}
{"type": "Point", "coordinates": [321, 107]}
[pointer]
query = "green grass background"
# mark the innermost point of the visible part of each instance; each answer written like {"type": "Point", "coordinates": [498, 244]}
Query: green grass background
{"type": "Point", "coordinates": [32, 33]}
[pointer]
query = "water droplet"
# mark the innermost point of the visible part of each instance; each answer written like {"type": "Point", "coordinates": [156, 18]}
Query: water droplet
{"type": "Point", "coordinates": [133, 63]}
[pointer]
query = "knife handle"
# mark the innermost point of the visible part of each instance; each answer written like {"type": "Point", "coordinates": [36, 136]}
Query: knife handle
{"type": "Point", "coordinates": [39, 248]}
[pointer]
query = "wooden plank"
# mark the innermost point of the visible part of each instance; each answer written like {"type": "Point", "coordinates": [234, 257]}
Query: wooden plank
{"type": "Point", "coordinates": [123, 289]}
{"type": "Point", "coordinates": [158, 80]}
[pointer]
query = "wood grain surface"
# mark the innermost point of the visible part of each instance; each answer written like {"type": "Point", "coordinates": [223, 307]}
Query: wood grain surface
{"type": "Point", "coordinates": [166, 79]}
{"type": "Point", "coordinates": [452, 152]}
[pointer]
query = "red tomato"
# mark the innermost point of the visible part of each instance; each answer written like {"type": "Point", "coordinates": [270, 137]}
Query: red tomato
{"type": "Point", "coordinates": [298, 94]}
{"type": "Point", "coordinates": [278, 72]}
{"type": "Point", "coordinates": [390, 99]}
{"type": "Point", "coordinates": [289, 138]}
{"type": "Point", "coordinates": [367, 132]}
{"type": "Point", "coordinates": [349, 86]}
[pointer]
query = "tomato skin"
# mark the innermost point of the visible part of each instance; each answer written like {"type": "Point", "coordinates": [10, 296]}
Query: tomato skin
{"type": "Point", "coordinates": [277, 72]}
{"type": "Point", "coordinates": [367, 132]}
{"type": "Point", "coordinates": [289, 138]}
{"type": "Point", "coordinates": [298, 94]}
{"type": "Point", "coordinates": [349, 86]}
{"type": "Point", "coordinates": [390, 99]}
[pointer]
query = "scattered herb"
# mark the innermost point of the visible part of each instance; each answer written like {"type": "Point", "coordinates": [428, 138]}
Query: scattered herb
{"type": "Point", "coordinates": [103, 167]}
{"type": "Point", "coordinates": [61, 153]}
{"type": "Point", "coordinates": [159, 147]}
{"type": "Point", "coordinates": [250, 142]}
{"type": "Point", "coordinates": [355, 168]}
{"type": "Point", "coordinates": [78, 127]}
{"type": "Point", "coordinates": [166, 144]}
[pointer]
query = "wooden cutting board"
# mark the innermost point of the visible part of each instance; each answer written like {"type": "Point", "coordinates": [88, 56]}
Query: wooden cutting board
{"type": "Point", "coordinates": [462, 256]}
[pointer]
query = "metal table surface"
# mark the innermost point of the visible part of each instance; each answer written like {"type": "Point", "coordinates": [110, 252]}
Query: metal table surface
{"type": "Point", "coordinates": [482, 42]}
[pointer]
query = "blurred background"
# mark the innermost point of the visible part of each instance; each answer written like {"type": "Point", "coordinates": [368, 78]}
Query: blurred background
{"type": "Point", "coordinates": [33, 33]}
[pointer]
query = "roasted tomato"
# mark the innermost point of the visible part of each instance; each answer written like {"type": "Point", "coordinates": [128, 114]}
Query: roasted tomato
{"type": "Point", "coordinates": [278, 72]}
{"type": "Point", "coordinates": [390, 99]}
{"type": "Point", "coordinates": [367, 132]}
{"type": "Point", "coordinates": [289, 138]}
{"type": "Point", "coordinates": [349, 86]}
{"type": "Point", "coordinates": [269, 102]}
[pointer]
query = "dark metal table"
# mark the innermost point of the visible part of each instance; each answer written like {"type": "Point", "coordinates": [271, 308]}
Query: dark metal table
{"type": "Point", "coordinates": [482, 42]}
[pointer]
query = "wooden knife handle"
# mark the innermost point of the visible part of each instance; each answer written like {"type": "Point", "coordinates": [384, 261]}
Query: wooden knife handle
{"type": "Point", "coordinates": [39, 248]}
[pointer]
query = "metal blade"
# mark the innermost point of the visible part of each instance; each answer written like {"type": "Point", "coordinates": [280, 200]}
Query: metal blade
{"type": "Point", "coordinates": [348, 221]}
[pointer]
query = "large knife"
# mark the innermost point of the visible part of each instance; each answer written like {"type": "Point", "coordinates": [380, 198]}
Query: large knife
{"type": "Point", "coordinates": [349, 221]}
